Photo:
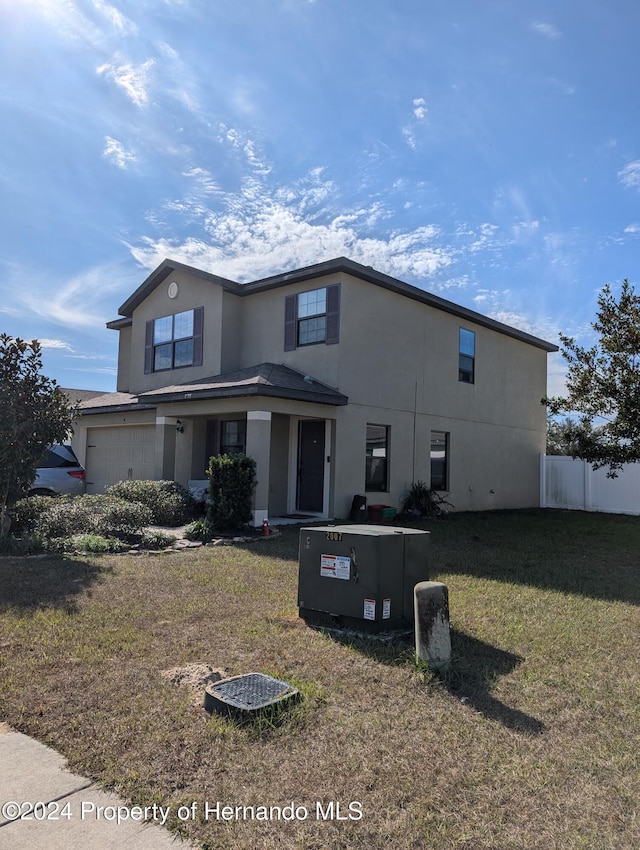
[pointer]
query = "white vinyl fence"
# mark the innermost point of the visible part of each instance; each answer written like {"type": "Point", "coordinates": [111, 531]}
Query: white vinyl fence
{"type": "Point", "coordinates": [573, 485]}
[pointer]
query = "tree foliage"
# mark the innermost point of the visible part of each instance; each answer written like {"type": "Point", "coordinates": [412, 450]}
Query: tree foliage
{"type": "Point", "coordinates": [34, 413]}
{"type": "Point", "coordinates": [561, 436]}
{"type": "Point", "coordinates": [603, 384]}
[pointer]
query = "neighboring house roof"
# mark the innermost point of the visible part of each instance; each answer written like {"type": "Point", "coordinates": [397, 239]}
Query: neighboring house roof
{"type": "Point", "coordinates": [80, 395]}
{"type": "Point", "coordinates": [113, 403]}
{"type": "Point", "coordinates": [330, 267]}
{"type": "Point", "coordinates": [266, 379]}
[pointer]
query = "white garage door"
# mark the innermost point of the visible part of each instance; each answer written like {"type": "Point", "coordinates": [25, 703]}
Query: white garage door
{"type": "Point", "coordinates": [119, 453]}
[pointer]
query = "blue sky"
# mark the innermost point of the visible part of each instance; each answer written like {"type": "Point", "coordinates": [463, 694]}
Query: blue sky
{"type": "Point", "coordinates": [488, 152]}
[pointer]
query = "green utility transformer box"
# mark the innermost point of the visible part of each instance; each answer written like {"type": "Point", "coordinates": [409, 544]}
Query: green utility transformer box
{"type": "Point", "coordinates": [360, 576]}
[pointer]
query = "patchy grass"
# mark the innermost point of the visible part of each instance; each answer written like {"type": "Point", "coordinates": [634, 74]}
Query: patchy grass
{"type": "Point", "coordinates": [531, 741]}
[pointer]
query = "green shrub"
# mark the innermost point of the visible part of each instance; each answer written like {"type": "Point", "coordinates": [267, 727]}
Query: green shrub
{"type": "Point", "coordinates": [169, 502]}
{"type": "Point", "coordinates": [120, 517]}
{"type": "Point", "coordinates": [96, 544]}
{"type": "Point", "coordinates": [27, 512]}
{"type": "Point", "coordinates": [156, 539]}
{"type": "Point", "coordinates": [102, 515]}
{"type": "Point", "coordinates": [197, 530]}
{"type": "Point", "coordinates": [421, 500]}
{"type": "Point", "coordinates": [67, 516]}
{"type": "Point", "coordinates": [232, 481]}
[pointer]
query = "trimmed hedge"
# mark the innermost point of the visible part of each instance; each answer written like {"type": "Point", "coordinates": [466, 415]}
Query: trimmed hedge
{"type": "Point", "coordinates": [232, 481]}
{"type": "Point", "coordinates": [169, 502]}
{"type": "Point", "coordinates": [66, 516]}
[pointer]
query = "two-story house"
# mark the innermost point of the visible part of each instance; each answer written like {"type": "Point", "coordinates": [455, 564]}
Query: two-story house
{"type": "Point", "coordinates": [337, 379]}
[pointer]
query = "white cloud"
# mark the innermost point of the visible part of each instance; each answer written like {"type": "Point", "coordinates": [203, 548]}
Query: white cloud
{"type": "Point", "coordinates": [556, 374]}
{"type": "Point", "coordinates": [629, 176]}
{"type": "Point", "coordinates": [116, 153]}
{"type": "Point", "coordinates": [420, 108]}
{"type": "Point", "coordinates": [257, 233]}
{"type": "Point", "coordinates": [116, 18]}
{"type": "Point", "coordinates": [633, 228]}
{"type": "Point", "coordinates": [546, 29]}
{"type": "Point", "coordinates": [83, 302]}
{"type": "Point", "coordinates": [410, 136]}
{"type": "Point", "coordinates": [524, 229]}
{"type": "Point", "coordinates": [133, 80]}
{"type": "Point", "coordinates": [420, 113]}
{"type": "Point", "coordinates": [64, 17]}
{"type": "Point", "coordinates": [57, 344]}
{"type": "Point", "coordinates": [203, 180]}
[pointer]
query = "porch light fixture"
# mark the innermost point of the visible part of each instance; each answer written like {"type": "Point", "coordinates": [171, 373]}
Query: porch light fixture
{"type": "Point", "coordinates": [179, 427]}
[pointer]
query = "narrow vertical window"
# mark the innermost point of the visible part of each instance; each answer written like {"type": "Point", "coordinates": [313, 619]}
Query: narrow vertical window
{"type": "Point", "coordinates": [439, 460]}
{"type": "Point", "coordinates": [467, 356]}
{"type": "Point", "coordinates": [377, 458]}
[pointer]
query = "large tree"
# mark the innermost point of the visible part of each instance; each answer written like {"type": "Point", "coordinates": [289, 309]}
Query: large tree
{"type": "Point", "coordinates": [603, 384]}
{"type": "Point", "coordinates": [34, 413]}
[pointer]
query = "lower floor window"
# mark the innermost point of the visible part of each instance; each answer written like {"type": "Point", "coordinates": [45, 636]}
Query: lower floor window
{"type": "Point", "coordinates": [439, 460]}
{"type": "Point", "coordinates": [225, 437]}
{"type": "Point", "coordinates": [232, 436]}
{"type": "Point", "coordinates": [377, 458]}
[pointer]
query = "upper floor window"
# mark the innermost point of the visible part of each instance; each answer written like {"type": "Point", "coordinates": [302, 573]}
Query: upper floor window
{"type": "Point", "coordinates": [467, 356]}
{"type": "Point", "coordinates": [174, 341]}
{"type": "Point", "coordinates": [312, 317]}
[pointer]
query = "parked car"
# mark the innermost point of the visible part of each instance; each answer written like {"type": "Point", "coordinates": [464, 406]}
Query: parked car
{"type": "Point", "coordinates": [59, 472]}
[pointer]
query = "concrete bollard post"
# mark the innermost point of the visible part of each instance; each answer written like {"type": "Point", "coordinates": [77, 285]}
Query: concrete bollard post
{"type": "Point", "coordinates": [433, 638]}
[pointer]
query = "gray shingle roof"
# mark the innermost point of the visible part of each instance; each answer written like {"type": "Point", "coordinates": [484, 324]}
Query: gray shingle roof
{"type": "Point", "coordinates": [265, 379]}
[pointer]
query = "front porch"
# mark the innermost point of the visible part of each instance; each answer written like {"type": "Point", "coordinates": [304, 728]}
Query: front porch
{"type": "Point", "coordinates": [292, 454]}
{"type": "Point", "coordinates": [283, 419]}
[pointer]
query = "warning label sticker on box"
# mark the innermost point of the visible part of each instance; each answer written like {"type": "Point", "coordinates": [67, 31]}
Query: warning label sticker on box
{"type": "Point", "coordinates": [369, 609]}
{"type": "Point", "coordinates": [386, 609]}
{"type": "Point", "coordinates": [335, 566]}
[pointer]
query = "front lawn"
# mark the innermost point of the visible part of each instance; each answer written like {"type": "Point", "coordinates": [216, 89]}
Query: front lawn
{"type": "Point", "coordinates": [532, 741]}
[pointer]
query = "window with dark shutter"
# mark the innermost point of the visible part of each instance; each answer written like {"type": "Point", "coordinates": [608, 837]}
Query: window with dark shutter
{"type": "Point", "coordinates": [173, 342]}
{"type": "Point", "coordinates": [148, 348]}
{"type": "Point", "coordinates": [312, 317]}
{"type": "Point", "coordinates": [290, 316]}
{"type": "Point", "coordinates": [333, 314]}
{"type": "Point", "coordinates": [198, 329]}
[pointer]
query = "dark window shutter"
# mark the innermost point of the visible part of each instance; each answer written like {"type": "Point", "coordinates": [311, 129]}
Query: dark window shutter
{"type": "Point", "coordinates": [290, 316]}
{"type": "Point", "coordinates": [198, 329]}
{"type": "Point", "coordinates": [148, 348]}
{"type": "Point", "coordinates": [333, 314]}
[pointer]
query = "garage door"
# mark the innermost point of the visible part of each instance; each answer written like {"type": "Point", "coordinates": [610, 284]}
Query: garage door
{"type": "Point", "coordinates": [119, 453]}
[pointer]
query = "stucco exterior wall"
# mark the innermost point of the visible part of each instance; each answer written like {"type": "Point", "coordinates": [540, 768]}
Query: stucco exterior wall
{"type": "Point", "coordinates": [124, 360]}
{"type": "Point", "coordinates": [262, 334]}
{"type": "Point", "coordinates": [192, 293]}
{"type": "Point", "coordinates": [396, 360]}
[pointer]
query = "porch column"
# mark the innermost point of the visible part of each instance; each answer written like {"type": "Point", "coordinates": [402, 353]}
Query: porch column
{"type": "Point", "coordinates": [259, 448]}
{"type": "Point", "coordinates": [165, 459]}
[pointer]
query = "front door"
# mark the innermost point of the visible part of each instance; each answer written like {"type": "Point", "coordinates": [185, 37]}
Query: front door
{"type": "Point", "coordinates": [311, 465]}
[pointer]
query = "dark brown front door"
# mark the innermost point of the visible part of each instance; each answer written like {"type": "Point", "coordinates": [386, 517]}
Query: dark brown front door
{"type": "Point", "coordinates": [311, 465]}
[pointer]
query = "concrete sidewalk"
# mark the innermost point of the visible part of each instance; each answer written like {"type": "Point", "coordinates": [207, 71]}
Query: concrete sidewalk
{"type": "Point", "coordinates": [62, 811]}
